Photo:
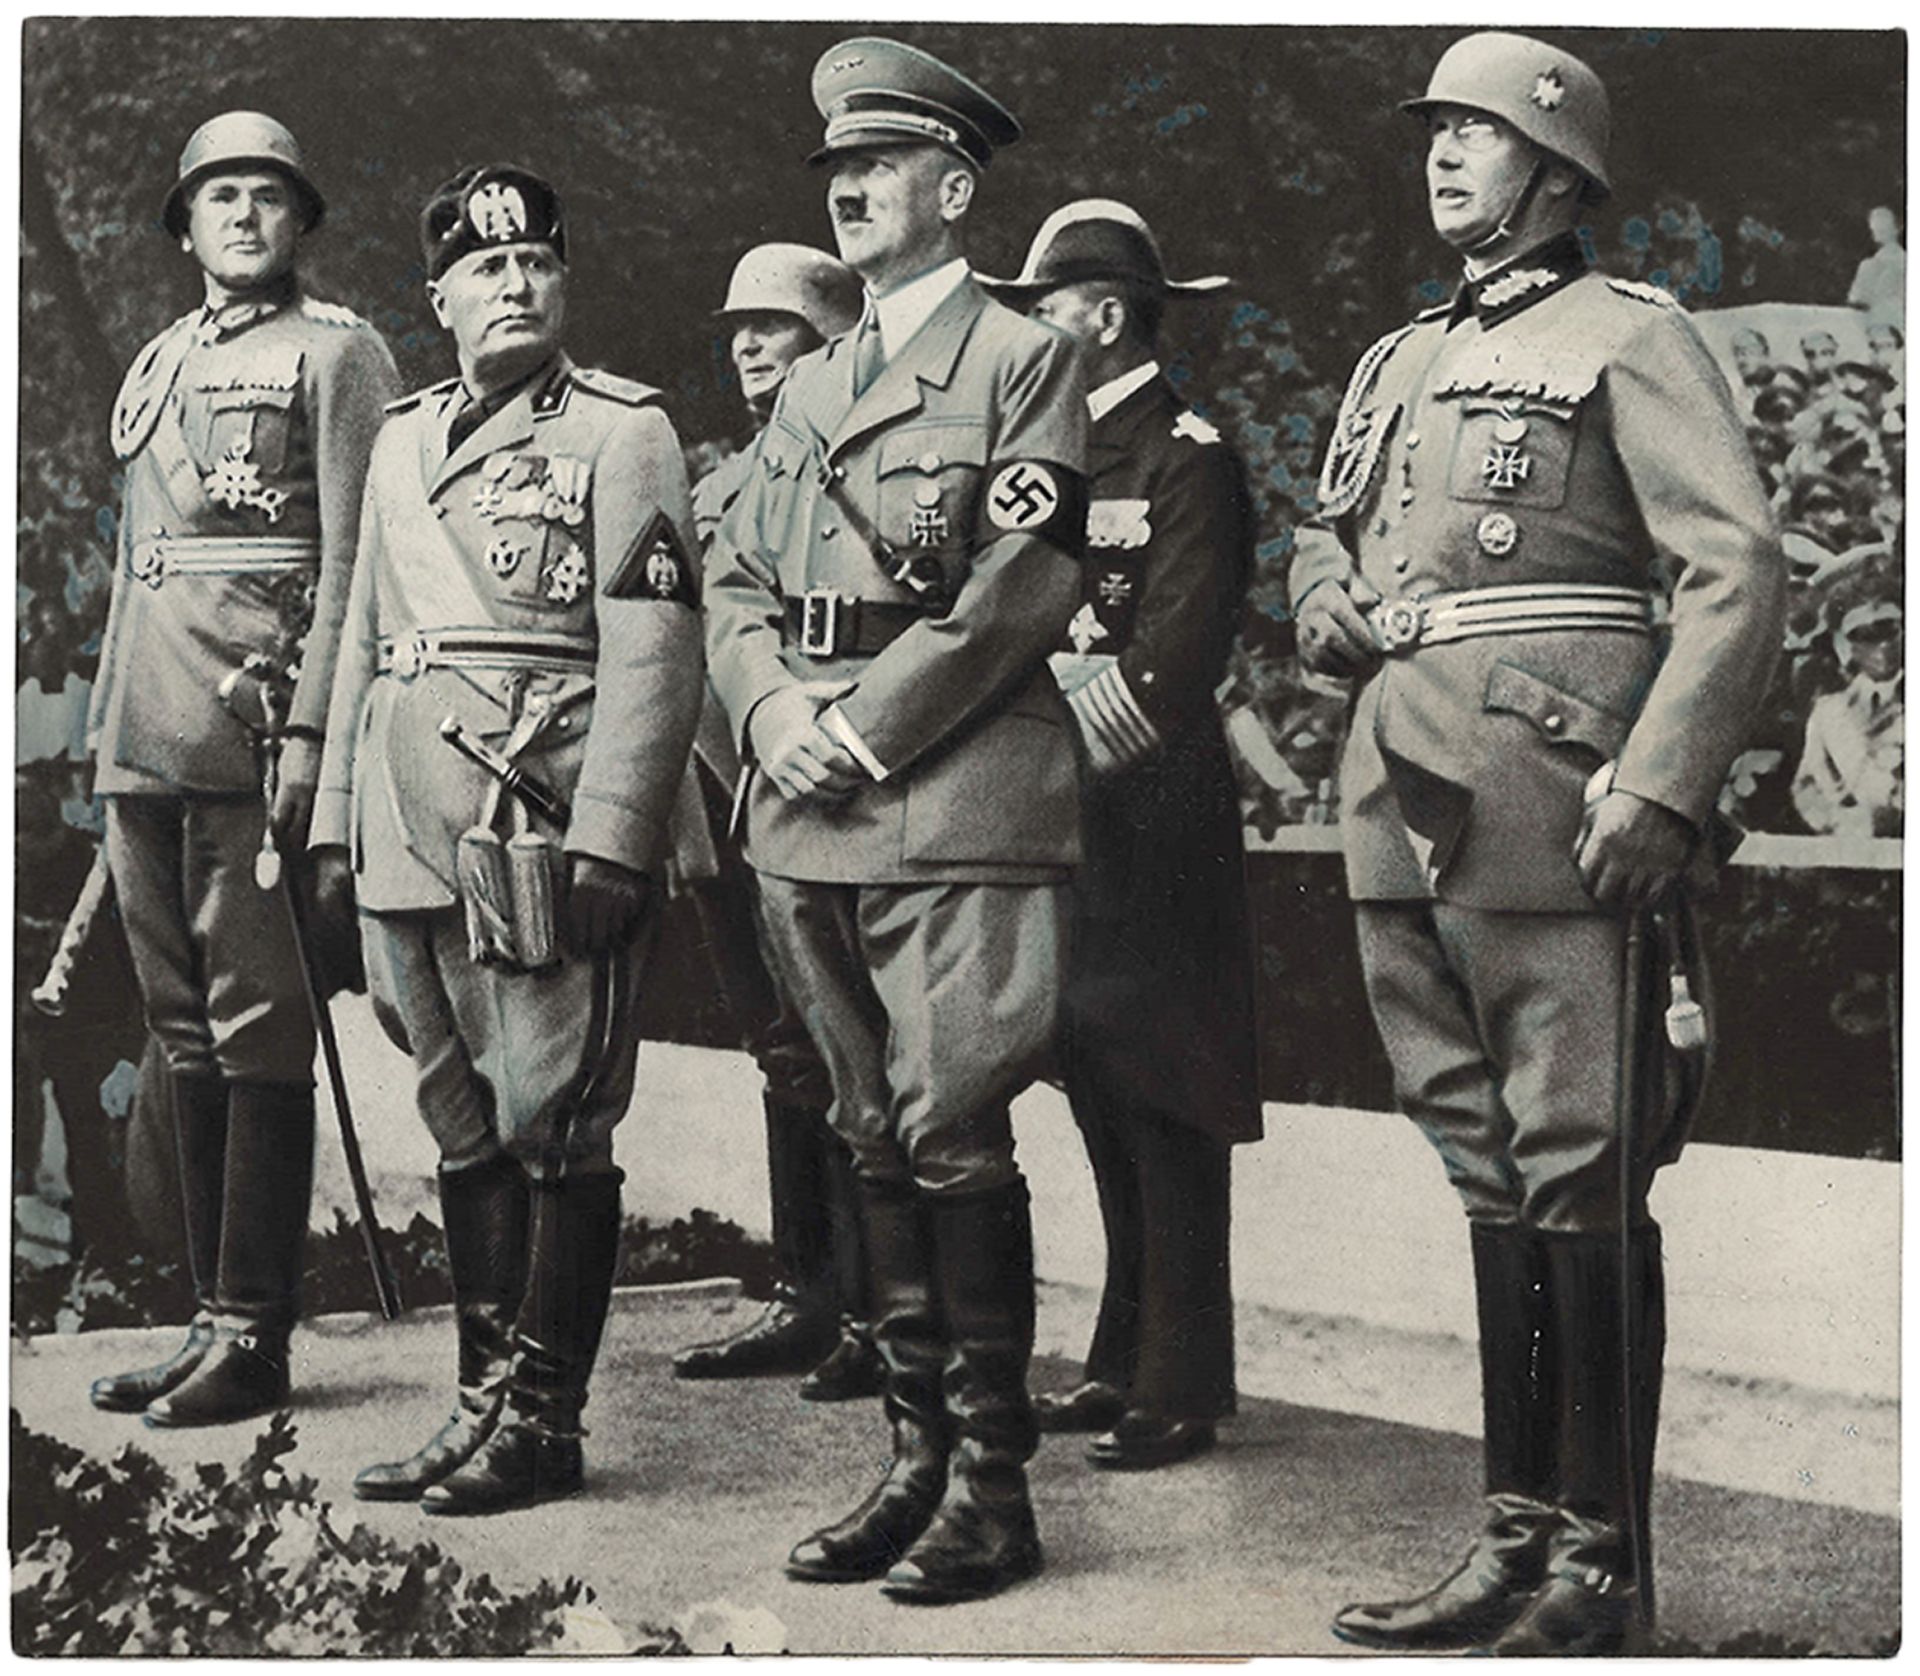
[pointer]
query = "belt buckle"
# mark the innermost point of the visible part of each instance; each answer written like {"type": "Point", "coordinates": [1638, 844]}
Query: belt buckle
{"type": "Point", "coordinates": [1399, 623]}
{"type": "Point", "coordinates": [410, 654]}
{"type": "Point", "coordinates": [149, 562]}
{"type": "Point", "coordinates": [819, 622]}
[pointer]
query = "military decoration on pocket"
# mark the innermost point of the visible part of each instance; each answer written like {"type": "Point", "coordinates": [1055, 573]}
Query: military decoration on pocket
{"type": "Point", "coordinates": [568, 574]}
{"type": "Point", "coordinates": [1086, 630]}
{"type": "Point", "coordinates": [532, 486]}
{"type": "Point", "coordinates": [233, 481]}
{"type": "Point", "coordinates": [927, 525]}
{"type": "Point", "coordinates": [1505, 466]}
{"type": "Point", "coordinates": [505, 554]}
{"type": "Point", "coordinates": [1498, 535]}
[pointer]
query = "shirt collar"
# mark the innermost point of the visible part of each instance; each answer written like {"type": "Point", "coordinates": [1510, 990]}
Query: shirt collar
{"type": "Point", "coordinates": [903, 312]}
{"type": "Point", "coordinates": [1518, 284]}
{"type": "Point", "coordinates": [1111, 394]}
{"type": "Point", "coordinates": [224, 320]}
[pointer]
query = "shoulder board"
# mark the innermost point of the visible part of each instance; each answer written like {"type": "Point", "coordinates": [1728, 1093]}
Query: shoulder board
{"type": "Point", "coordinates": [1643, 293]}
{"type": "Point", "coordinates": [1434, 313]}
{"type": "Point", "coordinates": [418, 396]}
{"type": "Point", "coordinates": [328, 314]}
{"type": "Point", "coordinates": [614, 387]}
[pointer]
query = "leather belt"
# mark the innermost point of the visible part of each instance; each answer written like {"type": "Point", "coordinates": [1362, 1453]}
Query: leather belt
{"type": "Point", "coordinates": [827, 624]}
{"type": "Point", "coordinates": [1519, 608]}
{"type": "Point", "coordinates": [154, 560]}
{"type": "Point", "coordinates": [408, 655]}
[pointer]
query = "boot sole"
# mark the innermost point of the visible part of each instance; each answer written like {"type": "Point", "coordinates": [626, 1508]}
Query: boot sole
{"type": "Point", "coordinates": [125, 1405]}
{"type": "Point", "coordinates": [479, 1509]}
{"type": "Point", "coordinates": [167, 1422]}
{"type": "Point", "coordinates": [392, 1492]}
{"type": "Point", "coordinates": [845, 1574]}
{"type": "Point", "coordinates": [923, 1592]}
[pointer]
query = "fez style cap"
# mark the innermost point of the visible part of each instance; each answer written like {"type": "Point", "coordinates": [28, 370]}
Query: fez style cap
{"type": "Point", "coordinates": [488, 205]}
{"type": "Point", "coordinates": [237, 140]}
{"type": "Point", "coordinates": [795, 279]}
{"type": "Point", "coordinates": [1095, 238]}
{"type": "Point", "coordinates": [876, 92]}
{"type": "Point", "coordinates": [1548, 95]}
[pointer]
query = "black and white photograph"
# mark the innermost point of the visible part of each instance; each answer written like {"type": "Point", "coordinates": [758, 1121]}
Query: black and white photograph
{"type": "Point", "coordinates": [977, 838]}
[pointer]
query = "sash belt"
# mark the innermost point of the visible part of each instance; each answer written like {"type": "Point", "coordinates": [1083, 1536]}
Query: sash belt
{"type": "Point", "coordinates": [1521, 608]}
{"type": "Point", "coordinates": [414, 653]}
{"type": "Point", "coordinates": [154, 560]}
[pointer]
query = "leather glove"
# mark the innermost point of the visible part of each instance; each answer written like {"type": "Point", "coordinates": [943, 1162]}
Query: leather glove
{"type": "Point", "coordinates": [605, 903]}
{"type": "Point", "coordinates": [1333, 633]}
{"type": "Point", "coordinates": [1630, 851]}
{"type": "Point", "coordinates": [333, 920]}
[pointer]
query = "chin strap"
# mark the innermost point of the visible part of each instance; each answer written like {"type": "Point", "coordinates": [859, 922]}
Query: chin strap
{"type": "Point", "coordinates": [1514, 211]}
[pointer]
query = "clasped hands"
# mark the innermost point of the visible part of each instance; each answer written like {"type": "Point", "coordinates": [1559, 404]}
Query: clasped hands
{"type": "Point", "coordinates": [803, 760]}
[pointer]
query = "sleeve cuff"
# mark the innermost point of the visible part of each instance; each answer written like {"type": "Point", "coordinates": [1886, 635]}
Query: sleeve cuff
{"type": "Point", "coordinates": [1107, 710]}
{"type": "Point", "coordinates": [332, 812]}
{"type": "Point", "coordinates": [609, 831]}
{"type": "Point", "coordinates": [835, 722]}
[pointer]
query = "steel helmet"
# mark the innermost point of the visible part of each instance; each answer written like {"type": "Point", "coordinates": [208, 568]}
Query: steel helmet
{"type": "Point", "coordinates": [795, 279]}
{"type": "Point", "coordinates": [236, 139]}
{"type": "Point", "coordinates": [1547, 95]}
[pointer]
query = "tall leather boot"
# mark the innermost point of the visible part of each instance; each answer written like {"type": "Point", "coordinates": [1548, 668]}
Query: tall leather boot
{"type": "Point", "coordinates": [983, 1538]}
{"type": "Point", "coordinates": [907, 1332]}
{"type": "Point", "coordinates": [197, 1108]}
{"type": "Point", "coordinates": [1593, 1598]}
{"type": "Point", "coordinates": [798, 1326]}
{"type": "Point", "coordinates": [485, 1213]}
{"type": "Point", "coordinates": [853, 1367]}
{"type": "Point", "coordinates": [533, 1454]}
{"type": "Point", "coordinates": [1519, 1349]}
{"type": "Point", "coordinates": [263, 1237]}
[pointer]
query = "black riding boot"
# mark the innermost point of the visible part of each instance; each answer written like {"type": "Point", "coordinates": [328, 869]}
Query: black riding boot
{"type": "Point", "coordinates": [198, 1112]}
{"type": "Point", "coordinates": [1595, 1590]}
{"type": "Point", "coordinates": [853, 1367]}
{"type": "Point", "coordinates": [906, 1330]}
{"type": "Point", "coordinates": [532, 1454]}
{"type": "Point", "coordinates": [798, 1327]}
{"type": "Point", "coordinates": [263, 1237]}
{"type": "Point", "coordinates": [1499, 1574]}
{"type": "Point", "coordinates": [983, 1537]}
{"type": "Point", "coordinates": [485, 1212]}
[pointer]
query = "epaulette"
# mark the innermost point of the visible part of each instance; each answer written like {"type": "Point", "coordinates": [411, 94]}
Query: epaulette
{"type": "Point", "coordinates": [1643, 293]}
{"type": "Point", "coordinates": [328, 314]}
{"type": "Point", "coordinates": [613, 386]}
{"type": "Point", "coordinates": [407, 403]}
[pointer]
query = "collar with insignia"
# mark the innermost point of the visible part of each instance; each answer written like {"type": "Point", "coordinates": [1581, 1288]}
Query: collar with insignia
{"type": "Point", "coordinates": [229, 319]}
{"type": "Point", "coordinates": [1527, 279]}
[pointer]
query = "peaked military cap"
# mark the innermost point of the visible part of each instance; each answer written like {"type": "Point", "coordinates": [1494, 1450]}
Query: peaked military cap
{"type": "Point", "coordinates": [1095, 238]}
{"type": "Point", "coordinates": [875, 92]}
{"type": "Point", "coordinates": [237, 140]}
{"type": "Point", "coordinates": [1548, 95]}
{"type": "Point", "coordinates": [799, 280]}
{"type": "Point", "coordinates": [487, 205]}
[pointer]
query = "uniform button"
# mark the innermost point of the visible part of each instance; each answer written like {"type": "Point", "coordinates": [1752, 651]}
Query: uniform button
{"type": "Point", "coordinates": [1413, 439]}
{"type": "Point", "coordinates": [439, 512]}
{"type": "Point", "coordinates": [1380, 527]}
{"type": "Point", "coordinates": [1554, 722]}
{"type": "Point", "coordinates": [1400, 563]}
{"type": "Point", "coordinates": [1406, 497]}
{"type": "Point", "coordinates": [829, 531]}
{"type": "Point", "coordinates": [563, 722]}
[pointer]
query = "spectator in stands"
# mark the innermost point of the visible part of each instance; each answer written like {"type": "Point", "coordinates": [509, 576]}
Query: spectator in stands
{"type": "Point", "coordinates": [1852, 774]}
{"type": "Point", "coordinates": [1822, 353]}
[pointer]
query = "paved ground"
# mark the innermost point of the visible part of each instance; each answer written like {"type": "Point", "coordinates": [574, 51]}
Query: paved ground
{"type": "Point", "coordinates": [696, 1492]}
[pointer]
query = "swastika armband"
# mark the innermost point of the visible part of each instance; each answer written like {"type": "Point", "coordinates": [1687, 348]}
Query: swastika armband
{"type": "Point", "coordinates": [1036, 497]}
{"type": "Point", "coordinates": [656, 566]}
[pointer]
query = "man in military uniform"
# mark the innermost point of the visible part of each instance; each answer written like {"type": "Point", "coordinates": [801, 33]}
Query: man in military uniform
{"type": "Point", "coordinates": [244, 430]}
{"type": "Point", "coordinates": [1524, 775]}
{"type": "Point", "coordinates": [1157, 1040]}
{"type": "Point", "coordinates": [525, 590]}
{"type": "Point", "coordinates": [881, 602]}
{"type": "Point", "coordinates": [784, 301]}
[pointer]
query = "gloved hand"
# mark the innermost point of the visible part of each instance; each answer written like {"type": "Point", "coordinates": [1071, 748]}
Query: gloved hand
{"type": "Point", "coordinates": [292, 814]}
{"type": "Point", "coordinates": [802, 759]}
{"type": "Point", "coordinates": [605, 903]}
{"type": "Point", "coordinates": [1631, 850]}
{"type": "Point", "coordinates": [333, 919]}
{"type": "Point", "coordinates": [1333, 633]}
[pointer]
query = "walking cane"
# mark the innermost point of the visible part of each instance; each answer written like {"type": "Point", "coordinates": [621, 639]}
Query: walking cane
{"type": "Point", "coordinates": [270, 875]}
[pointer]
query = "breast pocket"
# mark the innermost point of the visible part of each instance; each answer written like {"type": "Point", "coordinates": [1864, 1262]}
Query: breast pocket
{"type": "Point", "coordinates": [1512, 452]}
{"type": "Point", "coordinates": [929, 488]}
{"type": "Point", "coordinates": [251, 425]}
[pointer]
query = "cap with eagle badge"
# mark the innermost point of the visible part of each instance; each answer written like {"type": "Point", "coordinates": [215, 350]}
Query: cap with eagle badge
{"type": "Point", "coordinates": [1093, 239]}
{"type": "Point", "coordinates": [486, 206]}
{"type": "Point", "coordinates": [1548, 96]}
{"type": "Point", "coordinates": [877, 92]}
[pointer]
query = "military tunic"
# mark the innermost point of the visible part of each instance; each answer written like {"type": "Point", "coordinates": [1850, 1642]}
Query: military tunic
{"type": "Point", "coordinates": [1553, 428]}
{"type": "Point", "coordinates": [938, 887]}
{"type": "Point", "coordinates": [245, 433]}
{"type": "Point", "coordinates": [1157, 1039]}
{"type": "Point", "coordinates": [534, 583]}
